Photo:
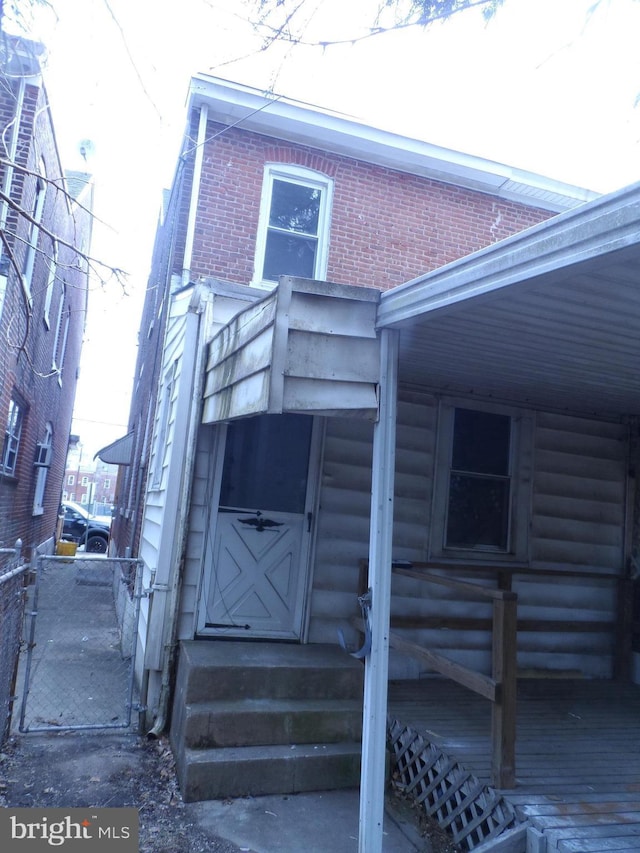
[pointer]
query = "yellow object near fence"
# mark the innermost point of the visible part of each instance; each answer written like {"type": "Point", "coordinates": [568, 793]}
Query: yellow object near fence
{"type": "Point", "coordinates": [66, 549]}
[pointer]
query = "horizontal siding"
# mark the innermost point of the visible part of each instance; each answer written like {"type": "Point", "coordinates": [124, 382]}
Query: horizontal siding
{"type": "Point", "coordinates": [579, 493]}
{"type": "Point", "coordinates": [199, 514]}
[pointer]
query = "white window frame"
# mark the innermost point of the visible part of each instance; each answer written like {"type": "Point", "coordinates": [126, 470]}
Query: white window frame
{"type": "Point", "coordinates": [12, 436]}
{"type": "Point", "coordinates": [61, 336]}
{"type": "Point", "coordinates": [520, 472]}
{"type": "Point", "coordinates": [71, 480]}
{"type": "Point", "coordinates": [43, 462]}
{"type": "Point", "coordinates": [51, 279]}
{"type": "Point", "coordinates": [34, 227]}
{"type": "Point", "coordinates": [305, 177]}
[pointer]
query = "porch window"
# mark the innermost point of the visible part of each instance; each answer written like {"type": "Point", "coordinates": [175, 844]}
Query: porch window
{"type": "Point", "coordinates": [481, 499]}
{"type": "Point", "coordinates": [294, 224]}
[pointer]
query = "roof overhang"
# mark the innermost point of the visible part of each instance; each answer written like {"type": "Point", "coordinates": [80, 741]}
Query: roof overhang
{"type": "Point", "coordinates": [548, 318]}
{"type": "Point", "coordinates": [273, 115]}
{"type": "Point", "coordinates": [119, 452]}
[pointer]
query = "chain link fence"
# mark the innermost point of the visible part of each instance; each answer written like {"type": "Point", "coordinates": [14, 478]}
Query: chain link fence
{"type": "Point", "coordinates": [81, 637]}
{"type": "Point", "coordinates": [13, 575]}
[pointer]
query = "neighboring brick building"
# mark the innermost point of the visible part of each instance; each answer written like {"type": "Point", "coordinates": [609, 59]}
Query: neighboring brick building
{"type": "Point", "coordinates": [87, 481]}
{"type": "Point", "coordinates": [45, 223]}
{"type": "Point", "coordinates": [283, 188]}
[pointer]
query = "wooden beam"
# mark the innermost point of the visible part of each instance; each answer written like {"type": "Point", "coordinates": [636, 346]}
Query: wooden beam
{"type": "Point", "coordinates": [475, 623]}
{"type": "Point", "coordinates": [461, 586]}
{"type": "Point", "coordinates": [503, 711]}
{"type": "Point", "coordinates": [475, 681]}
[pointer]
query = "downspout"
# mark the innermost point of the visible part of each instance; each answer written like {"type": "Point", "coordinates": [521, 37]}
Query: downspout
{"type": "Point", "coordinates": [376, 673]}
{"type": "Point", "coordinates": [197, 318]}
{"type": "Point", "coordinates": [195, 192]}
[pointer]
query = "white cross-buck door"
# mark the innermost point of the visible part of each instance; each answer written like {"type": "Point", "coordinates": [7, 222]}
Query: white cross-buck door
{"type": "Point", "coordinates": [255, 581]}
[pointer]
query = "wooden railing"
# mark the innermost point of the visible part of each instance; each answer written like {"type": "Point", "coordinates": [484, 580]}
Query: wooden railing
{"type": "Point", "coordinates": [501, 686]}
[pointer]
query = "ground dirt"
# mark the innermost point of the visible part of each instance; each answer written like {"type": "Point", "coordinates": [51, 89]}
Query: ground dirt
{"type": "Point", "coordinates": [71, 770]}
{"type": "Point", "coordinates": [74, 770]}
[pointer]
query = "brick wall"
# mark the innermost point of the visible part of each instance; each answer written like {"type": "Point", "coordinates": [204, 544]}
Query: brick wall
{"type": "Point", "coordinates": [33, 341]}
{"type": "Point", "coordinates": [386, 226]}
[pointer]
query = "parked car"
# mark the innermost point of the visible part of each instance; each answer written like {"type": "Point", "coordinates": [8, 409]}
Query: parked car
{"type": "Point", "coordinates": [78, 526]}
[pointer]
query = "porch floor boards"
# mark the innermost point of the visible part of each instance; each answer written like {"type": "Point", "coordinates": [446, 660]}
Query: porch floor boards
{"type": "Point", "coordinates": [577, 753]}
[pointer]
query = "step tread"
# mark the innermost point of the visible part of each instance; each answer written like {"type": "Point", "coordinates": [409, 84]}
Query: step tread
{"type": "Point", "coordinates": [270, 752]}
{"type": "Point", "coordinates": [241, 655]}
{"type": "Point", "coordinates": [266, 704]}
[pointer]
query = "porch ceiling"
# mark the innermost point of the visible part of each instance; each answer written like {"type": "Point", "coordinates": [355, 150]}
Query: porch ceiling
{"type": "Point", "coordinates": [549, 318]}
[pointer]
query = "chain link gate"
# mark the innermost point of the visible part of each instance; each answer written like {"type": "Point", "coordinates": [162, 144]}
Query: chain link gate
{"type": "Point", "coordinates": [81, 637]}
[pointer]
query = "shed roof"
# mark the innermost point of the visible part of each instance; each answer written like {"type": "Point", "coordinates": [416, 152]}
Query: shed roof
{"type": "Point", "coordinates": [549, 317]}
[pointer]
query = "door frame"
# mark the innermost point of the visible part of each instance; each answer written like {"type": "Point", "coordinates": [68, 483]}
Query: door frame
{"type": "Point", "coordinates": [307, 548]}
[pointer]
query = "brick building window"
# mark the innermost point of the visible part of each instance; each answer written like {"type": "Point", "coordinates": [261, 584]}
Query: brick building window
{"type": "Point", "coordinates": [71, 480]}
{"type": "Point", "coordinates": [293, 231]}
{"type": "Point", "coordinates": [42, 463]}
{"type": "Point", "coordinates": [62, 333]}
{"type": "Point", "coordinates": [51, 278]}
{"type": "Point", "coordinates": [13, 430]}
{"type": "Point", "coordinates": [34, 228]}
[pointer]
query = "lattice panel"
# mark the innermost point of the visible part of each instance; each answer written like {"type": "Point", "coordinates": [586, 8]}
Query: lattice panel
{"type": "Point", "coordinates": [469, 810]}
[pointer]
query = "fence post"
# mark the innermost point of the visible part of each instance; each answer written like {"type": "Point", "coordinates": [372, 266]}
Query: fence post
{"type": "Point", "coordinates": [503, 713]}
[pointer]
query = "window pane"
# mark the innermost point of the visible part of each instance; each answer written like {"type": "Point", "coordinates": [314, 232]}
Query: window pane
{"type": "Point", "coordinates": [286, 254]}
{"type": "Point", "coordinates": [266, 463]}
{"type": "Point", "coordinates": [481, 442]}
{"type": "Point", "coordinates": [478, 512]}
{"type": "Point", "coordinates": [295, 207]}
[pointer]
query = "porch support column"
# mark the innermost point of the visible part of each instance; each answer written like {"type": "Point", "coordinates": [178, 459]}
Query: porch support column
{"type": "Point", "coordinates": [374, 722]}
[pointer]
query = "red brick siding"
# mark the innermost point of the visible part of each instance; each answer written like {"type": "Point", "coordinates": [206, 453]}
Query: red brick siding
{"type": "Point", "coordinates": [386, 226]}
{"type": "Point", "coordinates": [25, 365]}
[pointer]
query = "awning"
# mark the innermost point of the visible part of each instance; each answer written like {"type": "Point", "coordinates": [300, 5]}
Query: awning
{"type": "Point", "coordinates": [308, 347]}
{"type": "Point", "coordinates": [548, 318]}
{"type": "Point", "coordinates": [119, 452]}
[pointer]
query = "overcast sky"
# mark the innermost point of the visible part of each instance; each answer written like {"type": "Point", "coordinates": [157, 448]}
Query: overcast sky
{"type": "Point", "coordinates": [545, 87]}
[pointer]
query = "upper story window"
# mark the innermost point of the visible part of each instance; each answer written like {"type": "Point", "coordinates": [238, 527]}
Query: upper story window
{"type": "Point", "coordinates": [293, 232]}
{"type": "Point", "coordinates": [12, 433]}
{"type": "Point", "coordinates": [51, 279]}
{"type": "Point", "coordinates": [61, 335]}
{"type": "Point", "coordinates": [34, 226]}
{"type": "Point", "coordinates": [483, 466]}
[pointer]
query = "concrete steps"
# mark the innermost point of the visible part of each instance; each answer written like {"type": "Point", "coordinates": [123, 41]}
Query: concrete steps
{"type": "Point", "coordinates": [265, 718]}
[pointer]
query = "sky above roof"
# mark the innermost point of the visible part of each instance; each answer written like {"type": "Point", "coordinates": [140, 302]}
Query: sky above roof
{"type": "Point", "coordinates": [546, 87]}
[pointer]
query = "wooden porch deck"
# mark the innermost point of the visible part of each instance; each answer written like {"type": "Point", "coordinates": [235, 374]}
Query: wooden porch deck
{"type": "Point", "coordinates": [577, 754]}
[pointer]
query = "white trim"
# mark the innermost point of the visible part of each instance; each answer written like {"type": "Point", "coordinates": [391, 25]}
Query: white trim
{"type": "Point", "coordinates": [195, 194]}
{"type": "Point", "coordinates": [34, 227]}
{"type": "Point", "coordinates": [374, 715]}
{"type": "Point", "coordinates": [306, 177]}
{"type": "Point", "coordinates": [51, 278]}
{"type": "Point", "coordinates": [283, 118]}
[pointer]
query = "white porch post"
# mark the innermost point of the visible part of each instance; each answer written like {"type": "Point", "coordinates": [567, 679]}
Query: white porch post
{"type": "Point", "coordinates": [372, 777]}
